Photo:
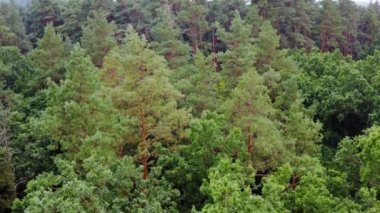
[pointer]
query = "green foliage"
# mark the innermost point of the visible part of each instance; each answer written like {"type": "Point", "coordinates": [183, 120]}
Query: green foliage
{"type": "Point", "coordinates": [192, 18]}
{"type": "Point", "coordinates": [239, 57]}
{"type": "Point", "coordinates": [97, 187]}
{"type": "Point", "coordinates": [200, 85]}
{"type": "Point", "coordinates": [18, 73]}
{"type": "Point", "coordinates": [167, 41]}
{"type": "Point", "coordinates": [48, 56]}
{"type": "Point", "coordinates": [299, 188]}
{"type": "Point", "coordinates": [267, 44]}
{"type": "Point", "coordinates": [7, 186]}
{"type": "Point", "coordinates": [340, 91]}
{"type": "Point", "coordinates": [141, 14]}
{"type": "Point", "coordinates": [75, 109]}
{"type": "Point", "coordinates": [23, 100]}
{"type": "Point", "coordinates": [347, 160]}
{"type": "Point", "coordinates": [370, 27]}
{"type": "Point", "coordinates": [208, 141]}
{"type": "Point", "coordinates": [254, 19]}
{"type": "Point", "coordinates": [98, 38]}
{"type": "Point", "coordinates": [180, 106]}
{"type": "Point", "coordinates": [75, 15]}
{"type": "Point", "coordinates": [229, 189]}
{"type": "Point", "coordinates": [40, 13]}
{"type": "Point", "coordinates": [298, 126]}
{"type": "Point", "coordinates": [139, 86]}
{"type": "Point", "coordinates": [250, 109]}
{"type": "Point", "coordinates": [12, 15]}
{"type": "Point", "coordinates": [223, 11]}
{"type": "Point", "coordinates": [7, 37]}
{"type": "Point", "coordinates": [369, 156]}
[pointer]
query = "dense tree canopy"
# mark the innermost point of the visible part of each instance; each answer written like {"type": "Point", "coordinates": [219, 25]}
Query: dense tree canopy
{"type": "Point", "coordinates": [189, 106]}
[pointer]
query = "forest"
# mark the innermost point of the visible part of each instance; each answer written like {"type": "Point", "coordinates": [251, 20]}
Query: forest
{"type": "Point", "coordinates": [189, 106]}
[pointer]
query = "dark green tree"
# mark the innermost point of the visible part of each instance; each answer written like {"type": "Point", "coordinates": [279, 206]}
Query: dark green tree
{"type": "Point", "coordinates": [98, 38]}
{"type": "Point", "coordinates": [192, 18]}
{"type": "Point", "coordinates": [369, 156]}
{"type": "Point", "coordinates": [331, 27]}
{"type": "Point", "coordinates": [267, 44]}
{"type": "Point", "coordinates": [48, 55]}
{"type": "Point", "coordinates": [12, 15]}
{"type": "Point", "coordinates": [75, 16]}
{"type": "Point", "coordinates": [229, 188]}
{"type": "Point", "coordinates": [39, 14]}
{"type": "Point", "coordinates": [239, 57]}
{"type": "Point", "coordinates": [7, 37]}
{"type": "Point", "coordinates": [202, 94]}
{"type": "Point", "coordinates": [350, 17]}
{"type": "Point", "coordinates": [7, 179]}
{"type": "Point", "coordinates": [369, 28]}
{"type": "Point", "coordinates": [138, 13]}
{"type": "Point", "coordinates": [167, 41]}
{"type": "Point", "coordinates": [299, 188]}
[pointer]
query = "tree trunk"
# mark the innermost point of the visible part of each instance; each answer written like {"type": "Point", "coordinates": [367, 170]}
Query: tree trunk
{"type": "Point", "coordinates": [214, 55]}
{"type": "Point", "coordinates": [250, 145]}
{"type": "Point", "coordinates": [194, 38]}
{"type": "Point", "coordinates": [144, 145]}
{"type": "Point", "coordinates": [346, 44]}
{"type": "Point", "coordinates": [323, 42]}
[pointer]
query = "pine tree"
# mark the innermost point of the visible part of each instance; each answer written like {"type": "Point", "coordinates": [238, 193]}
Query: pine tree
{"type": "Point", "coordinates": [239, 57]}
{"type": "Point", "coordinates": [75, 16]}
{"type": "Point", "coordinates": [280, 75]}
{"type": "Point", "coordinates": [254, 19]}
{"type": "Point", "coordinates": [369, 28]}
{"type": "Point", "coordinates": [263, 7]}
{"type": "Point", "coordinates": [350, 16]}
{"type": "Point", "coordinates": [331, 26]}
{"type": "Point", "coordinates": [167, 41]}
{"type": "Point", "coordinates": [301, 25]}
{"type": "Point", "coordinates": [267, 45]}
{"type": "Point", "coordinates": [281, 15]}
{"type": "Point", "coordinates": [138, 81]}
{"type": "Point", "coordinates": [249, 108]}
{"type": "Point", "coordinates": [103, 6]}
{"type": "Point", "coordinates": [48, 56]}
{"type": "Point", "coordinates": [298, 126]}
{"type": "Point", "coordinates": [223, 11]}
{"type": "Point", "coordinates": [202, 94]}
{"type": "Point", "coordinates": [39, 14]}
{"type": "Point", "coordinates": [192, 19]}
{"type": "Point", "coordinates": [98, 38]}
{"type": "Point", "coordinates": [13, 18]}
{"type": "Point", "coordinates": [7, 37]}
{"type": "Point", "coordinates": [77, 116]}
{"type": "Point", "coordinates": [138, 13]}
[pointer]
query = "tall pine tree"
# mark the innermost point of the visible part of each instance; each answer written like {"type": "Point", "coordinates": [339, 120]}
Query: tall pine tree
{"type": "Point", "coordinates": [98, 38]}
{"type": "Point", "coordinates": [48, 56]}
{"type": "Point", "coordinates": [249, 108]}
{"type": "Point", "coordinates": [138, 81]}
{"type": "Point", "coordinates": [331, 27]}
